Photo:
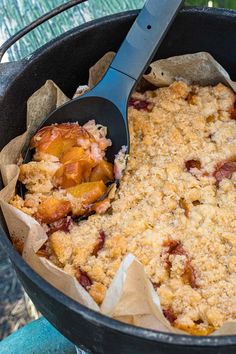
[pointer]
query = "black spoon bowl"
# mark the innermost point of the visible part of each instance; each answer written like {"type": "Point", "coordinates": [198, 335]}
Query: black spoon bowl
{"type": "Point", "coordinates": [101, 108]}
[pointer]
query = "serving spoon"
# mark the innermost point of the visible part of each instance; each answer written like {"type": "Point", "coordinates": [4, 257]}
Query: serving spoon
{"type": "Point", "coordinates": [107, 102]}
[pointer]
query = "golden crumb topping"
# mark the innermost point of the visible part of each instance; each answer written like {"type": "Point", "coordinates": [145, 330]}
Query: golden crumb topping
{"type": "Point", "coordinates": [175, 209]}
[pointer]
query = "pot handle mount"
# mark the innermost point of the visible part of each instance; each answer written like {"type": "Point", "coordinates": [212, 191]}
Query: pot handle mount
{"type": "Point", "coordinates": [36, 23]}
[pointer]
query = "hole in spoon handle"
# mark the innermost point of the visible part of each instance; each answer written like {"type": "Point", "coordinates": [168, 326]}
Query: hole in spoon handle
{"type": "Point", "coordinates": [145, 36]}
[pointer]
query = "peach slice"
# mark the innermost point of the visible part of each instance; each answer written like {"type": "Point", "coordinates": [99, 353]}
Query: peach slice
{"type": "Point", "coordinates": [88, 193]}
{"type": "Point", "coordinates": [51, 210]}
{"type": "Point", "coordinates": [102, 172]}
{"type": "Point", "coordinates": [68, 175]}
{"type": "Point", "coordinates": [72, 173]}
{"type": "Point", "coordinates": [51, 145]}
{"type": "Point", "coordinates": [56, 139]}
{"type": "Point", "coordinates": [75, 154]}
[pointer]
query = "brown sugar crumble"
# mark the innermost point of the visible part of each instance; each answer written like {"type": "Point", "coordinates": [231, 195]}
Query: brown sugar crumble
{"type": "Point", "coordinates": [175, 208]}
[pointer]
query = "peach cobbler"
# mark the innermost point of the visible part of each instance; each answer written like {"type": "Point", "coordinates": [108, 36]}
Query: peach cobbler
{"type": "Point", "coordinates": [175, 208]}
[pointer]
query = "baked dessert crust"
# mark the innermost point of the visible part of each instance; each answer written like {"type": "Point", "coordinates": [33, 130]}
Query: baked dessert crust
{"type": "Point", "coordinates": [174, 209]}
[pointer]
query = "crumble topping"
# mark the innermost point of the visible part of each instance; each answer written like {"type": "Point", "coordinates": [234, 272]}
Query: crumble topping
{"type": "Point", "coordinates": [175, 208]}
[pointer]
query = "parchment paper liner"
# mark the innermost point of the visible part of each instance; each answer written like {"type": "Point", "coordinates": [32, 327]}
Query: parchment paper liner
{"type": "Point", "coordinates": [131, 297]}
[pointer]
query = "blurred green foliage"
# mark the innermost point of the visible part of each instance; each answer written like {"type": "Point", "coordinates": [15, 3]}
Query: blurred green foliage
{"type": "Point", "coordinates": [229, 4]}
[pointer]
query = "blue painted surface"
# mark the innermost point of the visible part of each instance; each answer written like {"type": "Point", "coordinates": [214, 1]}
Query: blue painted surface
{"type": "Point", "coordinates": [38, 337]}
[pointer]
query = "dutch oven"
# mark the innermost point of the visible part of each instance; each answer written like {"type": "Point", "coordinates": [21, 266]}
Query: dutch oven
{"type": "Point", "coordinates": [66, 61]}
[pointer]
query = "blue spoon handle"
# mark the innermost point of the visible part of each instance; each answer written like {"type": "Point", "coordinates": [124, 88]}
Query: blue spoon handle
{"type": "Point", "coordinates": [145, 36]}
{"type": "Point", "coordinates": [136, 52]}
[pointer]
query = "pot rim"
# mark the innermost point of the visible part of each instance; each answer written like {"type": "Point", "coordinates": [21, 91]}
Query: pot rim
{"type": "Point", "coordinates": [91, 315]}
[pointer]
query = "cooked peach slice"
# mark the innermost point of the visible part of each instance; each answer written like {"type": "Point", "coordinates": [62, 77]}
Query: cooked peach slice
{"type": "Point", "coordinates": [68, 175]}
{"type": "Point", "coordinates": [52, 145]}
{"type": "Point", "coordinates": [75, 154]}
{"type": "Point", "coordinates": [56, 139]}
{"type": "Point", "coordinates": [72, 173]}
{"type": "Point", "coordinates": [61, 245]}
{"type": "Point", "coordinates": [102, 172]}
{"type": "Point", "coordinates": [88, 193]}
{"type": "Point", "coordinates": [51, 210]}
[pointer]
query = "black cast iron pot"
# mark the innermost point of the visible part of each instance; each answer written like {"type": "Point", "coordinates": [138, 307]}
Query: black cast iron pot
{"type": "Point", "coordinates": [67, 61]}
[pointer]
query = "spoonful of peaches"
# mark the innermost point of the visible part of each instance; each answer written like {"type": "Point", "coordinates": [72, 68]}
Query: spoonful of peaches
{"type": "Point", "coordinates": [83, 123]}
{"type": "Point", "coordinates": [107, 102]}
